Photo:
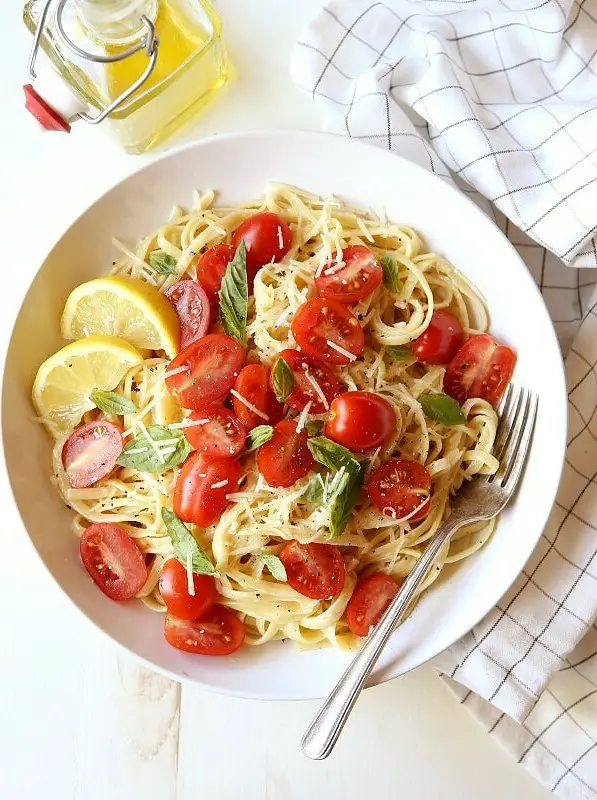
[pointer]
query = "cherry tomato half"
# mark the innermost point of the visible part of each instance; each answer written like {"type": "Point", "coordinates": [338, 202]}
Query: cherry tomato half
{"type": "Point", "coordinates": [113, 560]}
{"type": "Point", "coordinates": [219, 632]}
{"type": "Point", "coordinates": [216, 431]}
{"type": "Point", "coordinates": [314, 570]}
{"type": "Point", "coordinates": [285, 459]}
{"type": "Point", "coordinates": [202, 486]}
{"type": "Point", "coordinates": [440, 341]}
{"type": "Point", "coordinates": [369, 602]}
{"type": "Point", "coordinates": [360, 420]}
{"type": "Point", "coordinates": [253, 384]}
{"type": "Point", "coordinates": [304, 367]}
{"type": "Point", "coordinates": [211, 267]}
{"type": "Point", "coordinates": [266, 236]}
{"type": "Point", "coordinates": [400, 486]}
{"type": "Point", "coordinates": [481, 368]}
{"type": "Point", "coordinates": [319, 322]}
{"type": "Point", "coordinates": [90, 452]}
{"type": "Point", "coordinates": [358, 278]}
{"type": "Point", "coordinates": [192, 306]}
{"type": "Point", "coordinates": [175, 591]}
{"type": "Point", "coordinates": [212, 365]}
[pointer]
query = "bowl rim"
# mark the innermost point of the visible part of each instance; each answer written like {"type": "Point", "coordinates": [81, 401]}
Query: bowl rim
{"type": "Point", "coordinates": [559, 377]}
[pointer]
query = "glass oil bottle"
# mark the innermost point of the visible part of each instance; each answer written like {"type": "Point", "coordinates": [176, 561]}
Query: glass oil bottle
{"type": "Point", "coordinates": [143, 66]}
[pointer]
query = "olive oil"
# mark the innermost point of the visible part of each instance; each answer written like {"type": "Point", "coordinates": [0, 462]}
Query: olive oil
{"type": "Point", "coordinates": [191, 62]}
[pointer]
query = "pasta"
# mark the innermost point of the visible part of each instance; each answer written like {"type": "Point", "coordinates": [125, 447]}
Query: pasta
{"type": "Point", "coordinates": [260, 519]}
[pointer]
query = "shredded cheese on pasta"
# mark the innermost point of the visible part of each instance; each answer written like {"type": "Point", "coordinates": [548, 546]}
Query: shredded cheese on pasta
{"type": "Point", "coordinates": [258, 517]}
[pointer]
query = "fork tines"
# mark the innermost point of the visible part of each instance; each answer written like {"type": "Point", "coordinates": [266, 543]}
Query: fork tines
{"type": "Point", "coordinates": [517, 419]}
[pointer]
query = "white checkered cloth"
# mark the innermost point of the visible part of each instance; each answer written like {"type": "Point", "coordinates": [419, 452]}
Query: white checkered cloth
{"type": "Point", "coordinates": [500, 96]}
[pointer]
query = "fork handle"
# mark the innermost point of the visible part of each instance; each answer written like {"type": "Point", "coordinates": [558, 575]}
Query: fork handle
{"type": "Point", "coordinates": [321, 735]}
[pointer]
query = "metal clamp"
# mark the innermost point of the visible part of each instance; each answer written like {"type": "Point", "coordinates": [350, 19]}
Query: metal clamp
{"type": "Point", "coordinates": [149, 42]}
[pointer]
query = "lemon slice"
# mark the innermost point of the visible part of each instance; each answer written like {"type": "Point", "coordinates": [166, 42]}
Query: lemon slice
{"type": "Point", "coordinates": [125, 307]}
{"type": "Point", "coordinates": [65, 381]}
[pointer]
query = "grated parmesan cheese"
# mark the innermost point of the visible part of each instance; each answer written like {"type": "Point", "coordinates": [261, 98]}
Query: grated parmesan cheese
{"type": "Point", "coordinates": [175, 371]}
{"type": "Point", "coordinates": [280, 238]}
{"type": "Point", "coordinates": [188, 423]}
{"type": "Point", "coordinates": [190, 581]}
{"type": "Point", "coordinates": [336, 268]}
{"type": "Point", "coordinates": [250, 406]}
{"type": "Point", "coordinates": [151, 442]}
{"type": "Point", "coordinates": [218, 485]}
{"type": "Point", "coordinates": [318, 389]}
{"type": "Point", "coordinates": [303, 417]}
{"type": "Point", "coordinates": [341, 350]}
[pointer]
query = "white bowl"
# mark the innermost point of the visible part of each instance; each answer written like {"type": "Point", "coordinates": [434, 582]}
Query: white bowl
{"type": "Point", "coordinates": [238, 166]}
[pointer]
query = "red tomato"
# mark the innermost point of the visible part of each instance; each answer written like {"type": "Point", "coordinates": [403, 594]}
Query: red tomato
{"type": "Point", "coordinates": [285, 459]}
{"type": "Point", "coordinates": [369, 602]}
{"type": "Point", "coordinates": [90, 452]}
{"type": "Point", "coordinates": [253, 384]}
{"type": "Point", "coordinates": [212, 365]}
{"type": "Point", "coordinates": [219, 632]}
{"type": "Point", "coordinates": [441, 340]}
{"type": "Point", "coordinates": [314, 570]}
{"type": "Point", "coordinates": [319, 322]}
{"type": "Point", "coordinates": [267, 238]}
{"type": "Point", "coordinates": [175, 591]}
{"type": "Point", "coordinates": [400, 486]}
{"type": "Point", "coordinates": [192, 306]}
{"type": "Point", "coordinates": [304, 392]}
{"type": "Point", "coordinates": [211, 267]}
{"type": "Point", "coordinates": [221, 434]}
{"type": "Point", "coordinates": [360, 420]}
{"type": "Point", "coordinates": [481, 368]}
{"type": "Point", "coordinates": [113, 560]}
{"type": "Point", "coordinates": [198, 495]}
{"type": "Point", "coordinates": [360, 275]}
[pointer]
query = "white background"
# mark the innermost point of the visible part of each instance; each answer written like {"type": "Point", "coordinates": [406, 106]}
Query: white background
{"type": "Point", "coordinates": [78, 719]}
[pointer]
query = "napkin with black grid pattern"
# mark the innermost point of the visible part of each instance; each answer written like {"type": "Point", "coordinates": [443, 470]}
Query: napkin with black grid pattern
{"type": "Point", "coordinates": [500, 96]}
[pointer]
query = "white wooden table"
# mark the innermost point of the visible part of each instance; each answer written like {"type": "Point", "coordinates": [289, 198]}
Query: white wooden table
{"type": "Point", "coordinates": [78, 718]}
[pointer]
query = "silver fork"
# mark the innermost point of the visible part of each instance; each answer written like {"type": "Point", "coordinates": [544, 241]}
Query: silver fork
{"type": "Point", "coordinates": [480, 499]}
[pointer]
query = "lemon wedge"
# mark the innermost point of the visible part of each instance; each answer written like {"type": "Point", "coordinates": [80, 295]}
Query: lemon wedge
{"type": "Point", "coordinates": [125, 307]}
{"type": "Point", "coordinates": [65, 381]}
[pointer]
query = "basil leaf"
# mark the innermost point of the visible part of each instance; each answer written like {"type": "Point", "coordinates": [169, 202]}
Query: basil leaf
{"type": "Point", "coordinates": [112, 402]}
{"type": "Point", "coordinates": [282, 380]}
{"type": "Point", "coordinates": [314, 427]}
{"type": "Point", "coordinates": [258, 436]}
{"type": "Point", "coordinates": [316, 490]}
{"type": "Point", "coordinates": [390, 273]}
{"type": "Point", "coordinates": [332, 455]}
{"type": "Point", "coordinates": [275, 566]}
{"type": "Point", "coordinates": [399, 352]}
{"type": "Point", "coordinates": [442, 408]}
{"type": "Point", "coordinates": [162, 263]}
{"type": "Point", "coordinates": [343, 500]}
{"type": "Point", "coordinates": [184, 543]}
{"type": "Point", "coordinates": [234, 296]}
{"type": "Point", "coordinates": [147, 460]}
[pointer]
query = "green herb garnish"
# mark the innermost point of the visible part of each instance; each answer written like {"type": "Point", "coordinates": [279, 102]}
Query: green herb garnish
{"type": "Point", "coordinates": [399, 352]}
{"type": "Point", "coordinates": [332, 455]}
{"type": "Point", "coordinates": [152, 455]}
{"type": "Point", "coordinates": [112, 402]}
{"type": "Point", "coordinates": [186, 548]}
{"type": "Point", "coordinates": [258, 436]}
{"type": "Point", "coordinates": [274, 565]}
{"type": "Point", "coordinates": [282, 380]}
{"type": "Point", "coordinates": [234, 296]}
{"type": "Point", "coordinates": [390, 273]}
{"type": "Point", "coordinates": [162, 263]}
{"type": "Point", "coordinates": [442, 408]}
